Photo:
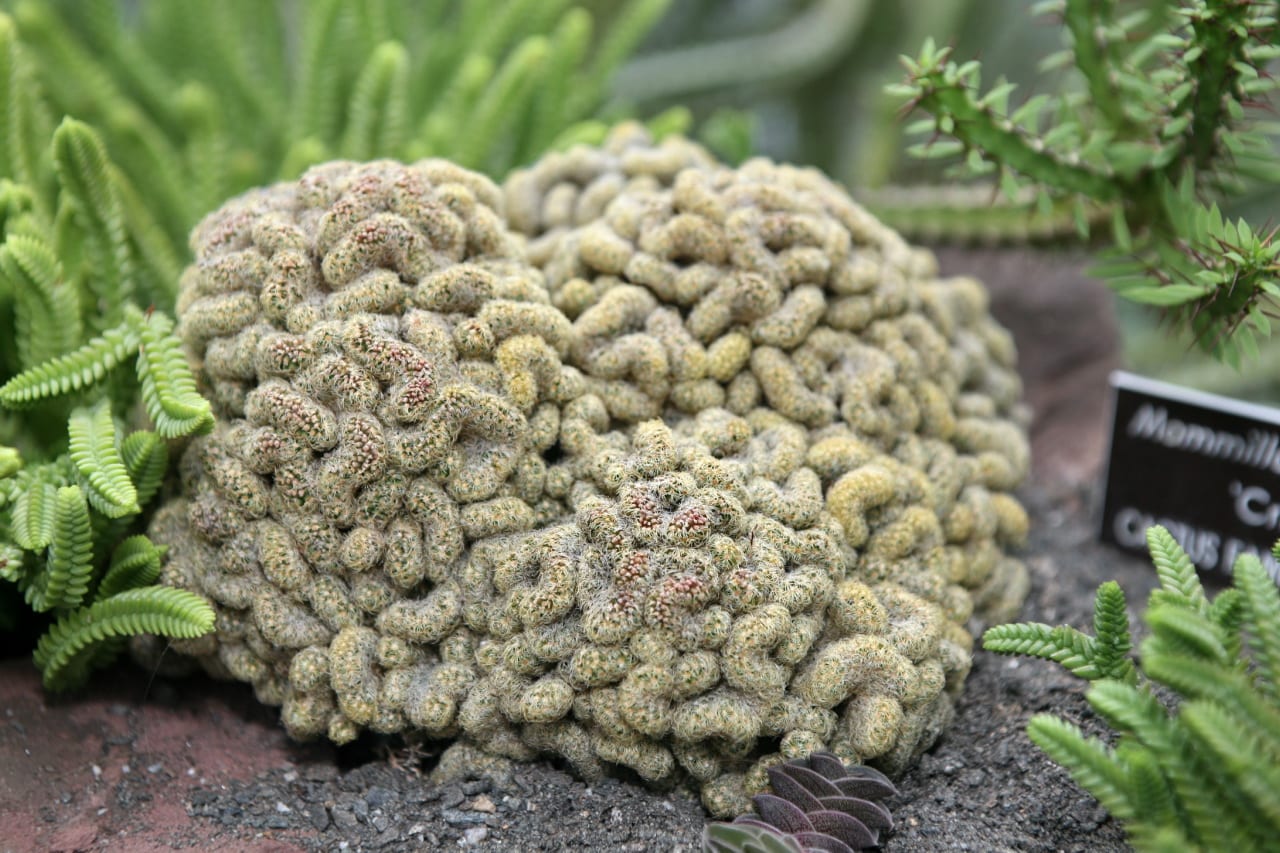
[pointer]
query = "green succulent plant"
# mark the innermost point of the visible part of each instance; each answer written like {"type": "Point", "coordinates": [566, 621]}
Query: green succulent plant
{"type": "Point", "coordinates": [1163, 127]}
{"type": "Point", "coordinates": [69, 495]}
{"type": "Point", "coordinates": [818, 804]}
{"type": "Point", "coordinates": [1198, 773]}
{"type": "Point", "coordinates": [177, 107]}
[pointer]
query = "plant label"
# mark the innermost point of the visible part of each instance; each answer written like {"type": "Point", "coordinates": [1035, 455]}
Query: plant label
{"type": "Point", "coordinates": [1204, 466]}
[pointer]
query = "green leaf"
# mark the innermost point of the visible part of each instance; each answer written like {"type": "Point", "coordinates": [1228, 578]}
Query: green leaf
{"type": "Point", "coordinates": [81, 162]}
{"type": "Point", "coordinates": [76, 370]}
{"type": "Point", "coordinates": [34, 513]}
{"type": "Point", "coordinates": [147, 610]}
{"type": "Point", "coordinates": [47, 309]}
{"type": "Point", "coordinates": [1089, 762]}
{"type": "Point", "coordinates": [168, 388]}
{"type": "Point", "coordinates": [1165, 295]}
{"type": "Point", "coordinates": [1111, 633]}
{"type": "Point", "coordinates": [1261, 617]}
{"type": "Point", "coordinates": [501, 100]}
{"type": "Point", "coordinates": [1177, 573]}
{"type": "Point", "coordinates": [1241, 757]}
{"type": "Point", "coordinates": [378, 113]}
{"type": "Point", "coordinates": [146, 457]}
{"type": "Point", "coordinates": [1065, 645]}
{"type": "Point", "coordinates": [1188, 630]}
{"type": "Point", "coordinates": [65, 580]}
{"type": "Point", "coordinates": [10, 461]}
{"type": "Point", "coordinates": [95, 451]}
{"type": "Point", "coordinates": [134, 563]}
{"type": "Point", "coordinates": [11, 562]}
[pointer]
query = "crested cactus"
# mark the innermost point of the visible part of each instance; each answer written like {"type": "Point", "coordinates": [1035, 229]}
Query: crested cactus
{"type": "Point", "coordinates": [637, 460]}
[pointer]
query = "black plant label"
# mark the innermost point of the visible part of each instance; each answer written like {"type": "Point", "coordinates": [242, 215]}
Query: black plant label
{"type": "Point", "coordinates": [1204, 466]}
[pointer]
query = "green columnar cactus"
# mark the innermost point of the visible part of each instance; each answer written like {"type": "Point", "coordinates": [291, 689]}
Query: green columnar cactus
{"type": "Point", "coordinates": [715, 482]}
{"type": "Point", "coordinates": [1164, 130]}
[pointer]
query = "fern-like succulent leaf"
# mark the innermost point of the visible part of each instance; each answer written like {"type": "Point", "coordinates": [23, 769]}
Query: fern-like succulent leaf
{"type": "Point", "coordinates": [34, 513]}
{"type": "Point", "coordinates": [1153, 799]}
{"type": "Point", "coordinates": [75, 370]}
{"type": "Point", "coordinates": [1177, 573]}
{"type": "Point", "coordinates": [1136, 712]}
{"type": "Point", "coordinates": [10, 464]}
{"type": "Point", "coordinates": [168, 387]}
{"type": "Point", "coordinates": [148, 610]}
{"type": "Point", "coordinates": [146, 457]}
{"type": "Point", "coordinates": [1112, 642]}
{"type": "Point", "coordinates": [1196, 678]}
{"type": "Point", "coordinates": [1088, 761]}
{"type": "Point", "coordinates": [1187, 630]}
{"type": "Point", "coordinates": [1073, 649]}
{"type": "Point", "coordinates": [1241, 756]}
{"type": "Point", "coordinates": [83, 172]}
{"type": "Point", "coordinates": [134, 563]}
{"type": "Point", "coordinates": [69, 567]}
{"type": "Point", "coordinates": [1227, 612]}
{"type": "Point", "coordinates": [47, 311]}
{"type": "Point", "coordinates": [378, 116]}
{"type": "Point", "coordinates": [95, 451]}
{"type": "Point", "coordinates": [1261, 617]}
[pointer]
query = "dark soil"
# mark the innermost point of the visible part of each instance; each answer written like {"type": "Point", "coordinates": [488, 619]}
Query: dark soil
{"type": "Point", "coordinates": [145, 764]}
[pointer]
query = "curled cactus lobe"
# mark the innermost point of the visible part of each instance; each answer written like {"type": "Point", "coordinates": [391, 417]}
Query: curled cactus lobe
{"type": "Point", "coordinates": [595, 464]}
{"type": "Point", "coordinates": [683, 614]}
{"type": "Point", "coordinates": [571, 189]}
{"type": "Point", "coordinates": [817, 804]}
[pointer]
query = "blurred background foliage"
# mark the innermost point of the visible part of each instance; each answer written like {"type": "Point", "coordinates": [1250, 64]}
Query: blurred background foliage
{"type": "Point", "coordinates": [809, 76]}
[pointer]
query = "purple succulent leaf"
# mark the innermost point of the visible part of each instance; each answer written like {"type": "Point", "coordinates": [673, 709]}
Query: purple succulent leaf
{"type": "Point", "coordinates": [862, 771]}
{"type": "Point", "coordinates": [815, 782]}
{"type": "Point", "coordinates": [782, 814]}
{"type": "Point", "coordinates": [821, 841]}
{"type": "Point", "coordinates": [869, 786]}
{"type": "Point", "coordinates": [828, 765]}
{"type": "Point", "coordinates": [791, 790]}
{"type": "Point", "coordinates": [874, 815]}
{"type": "Point", "coordinates": [845, 827]}
{"type": "Point", "coordinates": [752, 820]}
{"type": "Point", "coordinates": [866, 771]}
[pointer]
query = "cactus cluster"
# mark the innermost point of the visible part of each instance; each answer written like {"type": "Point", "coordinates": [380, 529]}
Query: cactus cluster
{"type": "Point", "coordinates": [637, 460]}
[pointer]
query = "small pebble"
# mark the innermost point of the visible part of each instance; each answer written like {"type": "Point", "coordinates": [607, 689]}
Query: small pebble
{"type": "Point", "coordinates": [476, 834]}
{"type": "Point", "coordinates": [483, 804]}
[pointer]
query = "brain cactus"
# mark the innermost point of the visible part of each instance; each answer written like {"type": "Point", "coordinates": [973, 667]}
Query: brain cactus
{"type": "Point", "coordinates": [639, 460]}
